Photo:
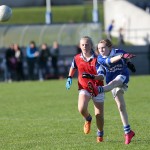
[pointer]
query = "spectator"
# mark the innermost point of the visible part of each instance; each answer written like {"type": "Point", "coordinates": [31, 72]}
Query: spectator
{"type": "Point", "coordinates": [55, 55]}
{"type": "Point", "coordinates": [11, 63]}
{"type": "Point", "coordinates": [121, 37]}
{"type": "Point", "coordinates": [19, 58]}
{"type": "Point", "coordinates": [109, 30]}
{"type": "Point", "coordinates": [44, 56]}
{"type": "Point", "coordinates": [32, 55]}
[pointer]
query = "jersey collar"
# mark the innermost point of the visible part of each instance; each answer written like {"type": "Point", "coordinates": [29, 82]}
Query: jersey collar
{"type": "Point", "coordinates": [89, 59]}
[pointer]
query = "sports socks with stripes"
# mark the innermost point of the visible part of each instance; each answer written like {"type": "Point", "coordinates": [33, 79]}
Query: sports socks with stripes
{"type": "Point", "coordinates": [100, 89]}
{"type": "Point", "coordinates": [100, 133]}
{"type": "Point", "coordinates": [127, 129]}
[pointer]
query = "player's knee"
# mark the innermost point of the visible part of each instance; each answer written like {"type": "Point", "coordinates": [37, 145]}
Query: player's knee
{"type": "Point", "coordinates": [99, 116]}
{"type": "Point", "coordinates": [81, 111]}
{"type": "Point", "coordinates": [116, 83]}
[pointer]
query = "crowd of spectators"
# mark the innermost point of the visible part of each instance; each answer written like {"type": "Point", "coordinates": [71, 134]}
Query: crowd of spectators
{"type": "Point", "coordinates": [37, 62]}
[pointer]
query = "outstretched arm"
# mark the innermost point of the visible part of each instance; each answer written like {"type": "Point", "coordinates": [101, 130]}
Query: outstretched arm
{"type": "Point", "coordinates": [124, 56]}
{"type": "Point", "coordinates": [115, 58]}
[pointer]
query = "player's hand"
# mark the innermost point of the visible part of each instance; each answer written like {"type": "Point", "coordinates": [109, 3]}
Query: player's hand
{"type": "Point", "coordinates": [69, 82]}
{"type": "Point", "coordinates": [87, 75]}
{"type": "Point", "coordinates": [131, 67]}
{"type": "Point", "coordinates": [36, 54]}
{"type": "Point", "coordinates": [128, 56]}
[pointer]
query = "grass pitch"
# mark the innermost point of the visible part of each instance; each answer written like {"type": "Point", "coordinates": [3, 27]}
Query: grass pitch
{"type": "Point", "coordinates": [60, 14]}
{"type": "Point", "coordinates": [44, 116]}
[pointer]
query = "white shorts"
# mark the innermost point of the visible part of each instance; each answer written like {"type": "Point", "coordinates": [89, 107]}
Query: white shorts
{"type": "Point", "coordinates": [99, 98]}
{"type": "Point", "coordinates": [122, 87]}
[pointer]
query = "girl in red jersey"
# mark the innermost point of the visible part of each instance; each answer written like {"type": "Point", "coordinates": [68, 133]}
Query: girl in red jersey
{"type": "Point", "coordinates": [85, 62]}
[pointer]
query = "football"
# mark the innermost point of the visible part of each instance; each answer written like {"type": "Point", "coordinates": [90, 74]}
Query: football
{"type": "Point", "coordinates": [5, 13]}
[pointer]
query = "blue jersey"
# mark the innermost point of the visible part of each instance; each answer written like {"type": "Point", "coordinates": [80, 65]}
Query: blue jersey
{"type": "Point", "coordinates": [113, 69]}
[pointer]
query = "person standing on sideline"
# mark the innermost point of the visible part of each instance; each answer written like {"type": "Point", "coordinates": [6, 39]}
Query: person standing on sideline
{"type": "Point", "coordinates": [54, 56]}
{"type": "Point", "coordinates": [85, 63]}
{"type": "Point", "coordinates": [117, 77]}
{"type": "Point", "coordinates": [44, 56]}
{"type": "Point", "coordinates": [11, 64]}
{"type": "Point", "coordinates": [19, 58]}
{"type": "Point", "coordinates": [109, 30]}
{"type": "Point", "coordinates": [32, 55]}
{"type": "Point", "coordinates": [121, 37]}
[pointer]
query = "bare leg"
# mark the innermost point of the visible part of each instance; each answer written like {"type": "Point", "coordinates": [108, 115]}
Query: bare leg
{"type": "Point", "coordinates": [122, 108]}
{"type": "Point", "coordinates": [99, 114]}
{"type": "Point", "coordinates": [129, 134]}
{"type": "Point", "coordinates": [83, 101]}
{"type": "Point", "coordinates": [111, 85]}
{"type": "Point", "coordinates": [83, 109]}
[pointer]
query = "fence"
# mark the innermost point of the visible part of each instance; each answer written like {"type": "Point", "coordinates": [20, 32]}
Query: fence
{"type": "Point", "coordinates": [65, 34]}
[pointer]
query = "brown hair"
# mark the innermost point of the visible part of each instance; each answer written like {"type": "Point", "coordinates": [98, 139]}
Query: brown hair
{"type": "Point", "coordinates": [107, 42]}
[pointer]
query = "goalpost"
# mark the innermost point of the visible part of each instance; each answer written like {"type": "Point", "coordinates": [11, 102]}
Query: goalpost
{"type": "Point", "coordinates": [48, 14]}
{"type": "Point", "coordinates": [95, 11]}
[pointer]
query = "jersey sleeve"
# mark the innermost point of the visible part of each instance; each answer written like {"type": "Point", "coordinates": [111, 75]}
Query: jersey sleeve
{"type": "Point", "coordinates": [120, 51]}
{"type": "Point", "coordinates": [73, 64]}
{"type": "Point", "coordinates": [100, 69]}
{"type": "Point", "coordinates": [104, 61]}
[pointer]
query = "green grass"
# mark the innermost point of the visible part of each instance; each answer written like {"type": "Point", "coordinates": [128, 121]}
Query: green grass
{"type": "Point", "coordinates": [60, 14]}
{"type": "Point", "coordinates": [44, 116]}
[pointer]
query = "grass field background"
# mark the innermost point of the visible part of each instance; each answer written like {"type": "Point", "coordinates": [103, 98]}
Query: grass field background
{"type": "Point", "coordinates": [60, 14]}
{"type": "Point", "coordinates": [44, 116]}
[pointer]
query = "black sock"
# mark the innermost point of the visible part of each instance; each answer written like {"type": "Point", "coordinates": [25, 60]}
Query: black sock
{"type": "Point", "coordinates": [88, 118]}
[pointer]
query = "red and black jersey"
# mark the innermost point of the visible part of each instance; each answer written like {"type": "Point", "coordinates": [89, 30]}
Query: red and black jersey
{"type": "Point", "coordinates": [84, 66]}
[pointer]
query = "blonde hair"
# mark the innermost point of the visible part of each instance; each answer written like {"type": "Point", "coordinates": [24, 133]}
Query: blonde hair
{"type": "Point", "coordinates": [89, 39]}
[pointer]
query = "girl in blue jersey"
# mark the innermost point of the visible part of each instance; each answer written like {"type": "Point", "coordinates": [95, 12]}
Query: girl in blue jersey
{"type": "Point", "coordinates": [117, 77]}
